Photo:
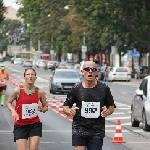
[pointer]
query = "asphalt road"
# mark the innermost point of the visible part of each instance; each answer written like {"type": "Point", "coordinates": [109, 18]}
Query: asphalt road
{"type": "Point", "coordinates": [56, 128]}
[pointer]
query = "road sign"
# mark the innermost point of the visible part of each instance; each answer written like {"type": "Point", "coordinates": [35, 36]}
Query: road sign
{"type": "Point", "coordinates": [129, 52]}
{"type": "Point", "coordinates": [136, 54]}
{"type": "Point", "coordinates": [84, 48]}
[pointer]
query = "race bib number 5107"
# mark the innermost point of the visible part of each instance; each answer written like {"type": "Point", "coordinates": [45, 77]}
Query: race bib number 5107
{"type": "Point", "coordinates": [90, 109]}
{"type": "Point", "coordinates": [29, 110]}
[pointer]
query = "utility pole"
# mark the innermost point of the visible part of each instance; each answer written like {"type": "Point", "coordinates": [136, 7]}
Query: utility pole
{"type": "Point", "coordinates": [15, 45]}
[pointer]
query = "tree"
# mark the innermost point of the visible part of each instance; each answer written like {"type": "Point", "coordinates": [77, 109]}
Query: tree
{"type": "Point", "coordinates": [2, 11]}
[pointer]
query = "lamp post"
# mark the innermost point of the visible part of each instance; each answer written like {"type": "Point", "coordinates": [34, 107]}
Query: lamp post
{"type": "Point", "coordinates": [52, 46]}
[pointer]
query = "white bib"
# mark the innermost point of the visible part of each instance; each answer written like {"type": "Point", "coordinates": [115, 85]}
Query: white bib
{"type": "Point", "coordinates": [90, 109]}
{"type": "Point", "coordinates": [29, 110]}
{"type": "Point", "coordinates": [2, 81]}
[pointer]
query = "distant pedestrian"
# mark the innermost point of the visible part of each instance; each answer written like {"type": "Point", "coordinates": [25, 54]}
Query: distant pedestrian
{"type": "Point", "coordinates": [27, 123]}
{"type": "Point", "coordinates": [3, 84]}
{"type": "Point", "coordinates": [94, 102]}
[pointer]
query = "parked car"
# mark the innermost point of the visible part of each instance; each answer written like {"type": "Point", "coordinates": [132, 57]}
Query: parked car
{"type": "Point", "coordinates": [62, 65]}
{"type": "Point", "coordinates": [108, 69]}
{"type": "Point", "coordinates": [1, 59]}
{"type": "Point", "coordinates": [119, 73]}
{"type": "Point", "coordinates": [42, 64]}
{"type": "Point", "coordinates": [34, 62]}
{"type": "Point", "coordinates": [139, 72]}
{"type": "Point", "coordinates": [63, 79]}
{"type": "Point", "coordinates": [51, 65]}
{"type": "Point", "coordinates": [140, 107]}
{"type": "Point", "coordinates": [18, 61]}
{"type": "Point", "coordinates": [77, 67]}
{"type": "Point", "coordinates": [27, 63]}
{"type": "Point", "coordinates": [101, 74]}
{"type": "Point", "coordinates": [69, 66]}
{"type": "Point", "coordinates": [12, 60]}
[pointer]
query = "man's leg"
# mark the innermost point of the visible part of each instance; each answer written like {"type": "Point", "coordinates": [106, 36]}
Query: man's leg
{"type": "Point", "coordinates": [3, 98]}
{"type": "Point", "coordinates": [34, 142]}
{"type": "Point", "coordinates": [80, 148]}
{"type": "Point", "coordinates": [79, 142]}
{"type": "Point", "coordinates": [21, 144]}
{"type": "Point", "coordinates": [95, 143]}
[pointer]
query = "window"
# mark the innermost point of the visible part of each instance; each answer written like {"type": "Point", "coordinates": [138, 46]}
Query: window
{"type": "Point", "coordinates": [121, 70]}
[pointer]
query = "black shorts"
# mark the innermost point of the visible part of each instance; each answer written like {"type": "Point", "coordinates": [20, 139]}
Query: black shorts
{"type": "Point", "coordinates": [3, 88]}
{"type": "Point", "coordinates": [26, 131]}
{"type": "Point", "coordinates": [91, 143]}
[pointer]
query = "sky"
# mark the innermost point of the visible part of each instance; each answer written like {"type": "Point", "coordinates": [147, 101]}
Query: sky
{"type": "Point", "coordinates": [11, 3]}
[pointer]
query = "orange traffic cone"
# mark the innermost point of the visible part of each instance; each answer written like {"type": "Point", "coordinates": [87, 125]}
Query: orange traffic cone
{"type": "Point", "coordinates": [69, 117]}
{"type": "Point", "coordinates": [53, 106]}
{"type": "Point", "coordinates": [118, 135]}
{"type": "Point", "coordinates": [60, 110]}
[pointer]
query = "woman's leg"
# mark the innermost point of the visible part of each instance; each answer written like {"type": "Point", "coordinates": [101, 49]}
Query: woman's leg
{"type": "Point", "coordinates": [21, 144]}
{"type": "Point", "coordinates": [34, 142]}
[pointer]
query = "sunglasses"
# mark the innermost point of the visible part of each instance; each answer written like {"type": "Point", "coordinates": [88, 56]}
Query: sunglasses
{"type": "Point", "coordinates": [88, 69]}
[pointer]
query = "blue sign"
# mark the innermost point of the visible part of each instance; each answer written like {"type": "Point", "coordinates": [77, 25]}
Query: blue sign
{"type": "Point", "coordinates": [129, 52]}
{"type": "Point", "coordinates": [136, 54]}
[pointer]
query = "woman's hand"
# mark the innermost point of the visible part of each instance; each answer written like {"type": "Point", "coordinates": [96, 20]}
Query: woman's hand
{"type": "Point", "coordinates": [15, 116]}
{"type": "Point", "coordinates": [43, 109]}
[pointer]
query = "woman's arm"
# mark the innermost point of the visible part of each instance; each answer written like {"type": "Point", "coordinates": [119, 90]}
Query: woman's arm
{"type": "Point", "coordinates": [14, 95]}
{"type": "Point", "coordinates": [42, 98]}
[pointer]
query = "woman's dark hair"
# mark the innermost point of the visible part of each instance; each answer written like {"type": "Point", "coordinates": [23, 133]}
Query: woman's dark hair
{"type": "Point", "coordinates": [29, 69]}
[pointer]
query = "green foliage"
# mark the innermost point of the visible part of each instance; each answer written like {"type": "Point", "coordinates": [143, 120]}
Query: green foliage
{"type": "Point", "coordinates": [2, 11]}
{"type": "Point", "coordinates": [99, 19]}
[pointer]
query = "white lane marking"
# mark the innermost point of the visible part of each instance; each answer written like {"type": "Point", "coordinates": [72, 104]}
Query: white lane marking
{"type": "Point", "coordinates": [46, 142]}
{"type": "Point", "coordinates": [123, 108]}
{"type": "Point", "coordinates": [124, 92]}
{"type": "Point", "coordinates": [126, 124]}
{"type": "Point", "coordinates": [118, 113]}
{"type": "Point", "coordinates": [109, 126]}
{"type": "Point", "coordinates": [139, 142]}
{"type": "Point", "coordinates": [56, 130]}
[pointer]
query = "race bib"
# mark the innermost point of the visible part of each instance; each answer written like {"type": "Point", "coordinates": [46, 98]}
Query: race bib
{"type": "Point", "coordinates": [90, 109]}
{"type": "Point", "coordinates": [29, 110]}
{"type": "Point", "coordinates": [2, 81]}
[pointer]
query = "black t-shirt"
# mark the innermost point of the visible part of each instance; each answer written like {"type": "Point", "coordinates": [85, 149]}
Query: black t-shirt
{"type": "Point", "coordinates": [89, 126]}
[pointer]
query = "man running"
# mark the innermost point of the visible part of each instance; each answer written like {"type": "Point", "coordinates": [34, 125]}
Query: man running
{"type": "Point", "coordinates": [3, 84]}
{"type": "Point", "coordinates": [94, 102]}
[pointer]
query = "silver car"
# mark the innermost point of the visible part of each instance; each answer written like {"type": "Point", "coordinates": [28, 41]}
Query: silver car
{"type": "Point", "coordinates": [27, 63]}
{"type": "Point", "coordinates": [63, 79]}
{"type": "Point", "coordinates": [140, 107]}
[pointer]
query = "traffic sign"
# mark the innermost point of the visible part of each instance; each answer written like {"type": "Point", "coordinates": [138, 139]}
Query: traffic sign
{"type": "Point", "coordinates": [84, 48]}
{"type": "Point", "coordinates": [136, 54]}
{"type": "Point", "coordinates": [129, 52]}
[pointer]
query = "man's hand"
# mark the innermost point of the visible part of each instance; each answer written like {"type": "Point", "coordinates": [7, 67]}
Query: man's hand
{"type": "Point", "coordinates": [105, 112]}
{"type": "Point", "coordinates": [72, 111]}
